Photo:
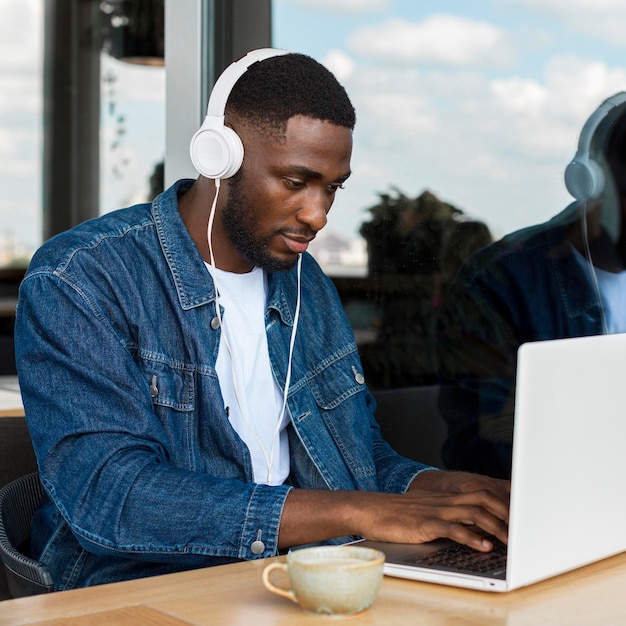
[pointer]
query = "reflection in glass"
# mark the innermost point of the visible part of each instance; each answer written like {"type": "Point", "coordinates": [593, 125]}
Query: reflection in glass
{"type": "Point", "coordinates": [563, 278]}
{"type": "Point", "coordinates": [414, 247]}
{"type": "Point", "coordinates": [133, 102]}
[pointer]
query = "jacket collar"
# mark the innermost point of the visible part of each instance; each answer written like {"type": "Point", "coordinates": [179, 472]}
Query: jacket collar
{"type": "Point", "coordinates": [193, 282]}
{"type": "Point", "coordinates": [577, 295]}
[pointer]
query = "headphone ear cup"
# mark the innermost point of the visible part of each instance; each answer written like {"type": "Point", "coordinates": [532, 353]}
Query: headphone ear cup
{"type": "Point", "coordinates": [216, 152]}
{"type": "Point", "coordinates": [584, 179]}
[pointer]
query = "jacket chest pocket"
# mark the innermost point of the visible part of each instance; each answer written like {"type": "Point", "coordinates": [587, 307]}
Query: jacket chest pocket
{"type": "Point", "coordinates": [172, 392]}
{"type": "Point", "coordinates": [334, 383]}
{"type": "Point", "coordinates": [170, 387]}
{"type": "Point", "coordinates": [340, 393]}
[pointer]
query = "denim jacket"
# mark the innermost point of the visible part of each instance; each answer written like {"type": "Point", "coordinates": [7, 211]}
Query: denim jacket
{"type": "Point", "coordinates": [116, 339]}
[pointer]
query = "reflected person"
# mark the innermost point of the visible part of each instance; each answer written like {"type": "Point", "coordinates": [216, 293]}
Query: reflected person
{"type": "Point", "coordinates": [563, 278]}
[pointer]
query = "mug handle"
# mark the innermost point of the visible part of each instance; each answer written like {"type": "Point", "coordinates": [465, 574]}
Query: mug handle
{"type": "Point", "coordinates": [281, 591]}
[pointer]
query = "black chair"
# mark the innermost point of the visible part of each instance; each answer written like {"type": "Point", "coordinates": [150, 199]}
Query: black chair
{"type": "Point", "coordinates": [18, 501]}
{"type": "Point", "coordinates": [17, 457]}
{"type": "Point", "coordinates": [410, 422]}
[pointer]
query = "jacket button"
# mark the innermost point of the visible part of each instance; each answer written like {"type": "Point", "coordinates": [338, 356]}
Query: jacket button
{"type": "Point", "coordinates": [358, 377]}
{"type": "Point", "coordinates": [215, 323]}
{"type": "Point", "coordinates": [257, 547]}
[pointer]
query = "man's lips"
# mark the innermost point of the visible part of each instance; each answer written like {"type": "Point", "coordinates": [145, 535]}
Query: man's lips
{"type": "Point", "coordinates": [297, 243]}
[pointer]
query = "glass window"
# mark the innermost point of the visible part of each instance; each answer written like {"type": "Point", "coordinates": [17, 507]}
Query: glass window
{"type": "Point", "coordinates": [132, 121]}
{"type": "Point", "coordinates": [132, 116]}
{"type": "Point", "coordinates": [468, 114]}
{"type": "Point", "coordinates": [132, 133]}
{"type": "Point", "coordinates": [478, 103]}
{"type": "Point", "coordinates": [21, 39]}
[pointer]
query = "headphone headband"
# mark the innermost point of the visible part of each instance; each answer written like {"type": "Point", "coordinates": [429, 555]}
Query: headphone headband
{"type": "Point", "coordinates": [229, 77]}
{"type": "Point", "coordinates": [216, 150]}
{"type": "Point", "coordinates": [584, 177]}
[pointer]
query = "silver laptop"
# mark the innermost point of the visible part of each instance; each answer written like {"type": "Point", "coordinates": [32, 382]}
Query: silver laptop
{"type": "Point", "coordinates": [569, 466]}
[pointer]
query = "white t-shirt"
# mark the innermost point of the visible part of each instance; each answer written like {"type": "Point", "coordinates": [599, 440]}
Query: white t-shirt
{"type": "Point", "coordinates": [255, 400]}
{"type": "Point", "coordinates": [613, 290]}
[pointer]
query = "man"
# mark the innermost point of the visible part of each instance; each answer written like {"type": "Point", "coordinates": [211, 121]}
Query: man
{"type": "Point", "coordinates": [563, 278]}
{"type": "Point", "coordinates": [142, 338]}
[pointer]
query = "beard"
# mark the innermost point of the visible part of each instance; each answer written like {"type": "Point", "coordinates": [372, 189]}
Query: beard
{"type": "Point", "coordinates": [240, 224]}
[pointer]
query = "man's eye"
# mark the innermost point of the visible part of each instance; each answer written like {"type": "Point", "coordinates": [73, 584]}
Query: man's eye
{"type": "Point", "coordinates": [333, 188]}
{"type": "Point", "coordinates": [293, 183]}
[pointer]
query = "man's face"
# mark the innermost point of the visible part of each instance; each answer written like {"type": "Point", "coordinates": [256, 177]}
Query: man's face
{"type": "Point", "coordinates": [280, 199]}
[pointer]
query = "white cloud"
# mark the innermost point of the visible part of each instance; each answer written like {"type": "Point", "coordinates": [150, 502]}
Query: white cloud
{"type": "Point", "coordinates": [572, 7]}
{"type": "Point", "coordinates": [20, 52]}
{"type": "Point", "coordinates": [20, 48]}
{"type": "Point", "coordinates": [345, 6]}
{"type": "Point", "coordinates": [443, 40]}
{"type": "Point", "coordinates": [582, 84]}
{"type": "Point", "coordinates": [520, 96]}
{"type": "Point", "coordinates": [399, 113]}
{"type": "Point", "coordinates": [340, 64]}
{"type": "Point", "coordinates": [496, 148]}
{"type": "Point", "coordinates": [20, 96]}
{"type": "Point", "coordinates": [547, 116]}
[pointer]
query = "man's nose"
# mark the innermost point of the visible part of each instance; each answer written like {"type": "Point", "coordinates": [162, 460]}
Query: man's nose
{"type": "Point", "coordinates": [314, 211]}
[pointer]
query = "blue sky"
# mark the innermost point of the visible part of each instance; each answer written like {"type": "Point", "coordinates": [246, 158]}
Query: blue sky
{"type": "Point", "coordinates": [479, 101]}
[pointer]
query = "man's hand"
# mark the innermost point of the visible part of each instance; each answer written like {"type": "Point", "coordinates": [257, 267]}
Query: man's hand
{"type": "Point", "coordinates": [461, 482]}
{"type": "Point", "coordinates": [457, 505]}
{"type": "Point", "coordinates": [488, 497]}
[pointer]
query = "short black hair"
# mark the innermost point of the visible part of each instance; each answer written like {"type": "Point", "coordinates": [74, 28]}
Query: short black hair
{"type": "Point", "coordinates": [616, 141]}
{"type": "Point", "coordinates": [610, 141]}
{"type": "Point", "coordinates": [274, 90]}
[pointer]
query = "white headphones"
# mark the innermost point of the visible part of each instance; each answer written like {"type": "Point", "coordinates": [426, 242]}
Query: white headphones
{"type": "Point", "coordinates": [216, 150]}
{"type": "Point", "coordinates": [584, 177]}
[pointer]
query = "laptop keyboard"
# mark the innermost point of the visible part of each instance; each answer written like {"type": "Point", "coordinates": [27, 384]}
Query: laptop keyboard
{"type": "Point", "coordinates": [466, 560]}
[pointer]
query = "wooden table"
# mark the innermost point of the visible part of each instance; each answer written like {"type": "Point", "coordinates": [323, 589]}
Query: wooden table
{"type": "Point", "coordinates": [233, 595]}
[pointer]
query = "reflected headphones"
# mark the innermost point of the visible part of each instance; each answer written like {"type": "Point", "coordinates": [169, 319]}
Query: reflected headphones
{"type": "Point", "coordinates": [584, 177]}
{"type": "Point", "coordinates": [216, 150]}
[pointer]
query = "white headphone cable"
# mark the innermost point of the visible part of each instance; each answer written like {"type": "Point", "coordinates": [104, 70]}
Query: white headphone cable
{"type": "Point", "coordinates": [268, 459]}
{"type": "Point", "coordinates": [292, 341]}
{"type": "Point", "coordinates": [594, 277]}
